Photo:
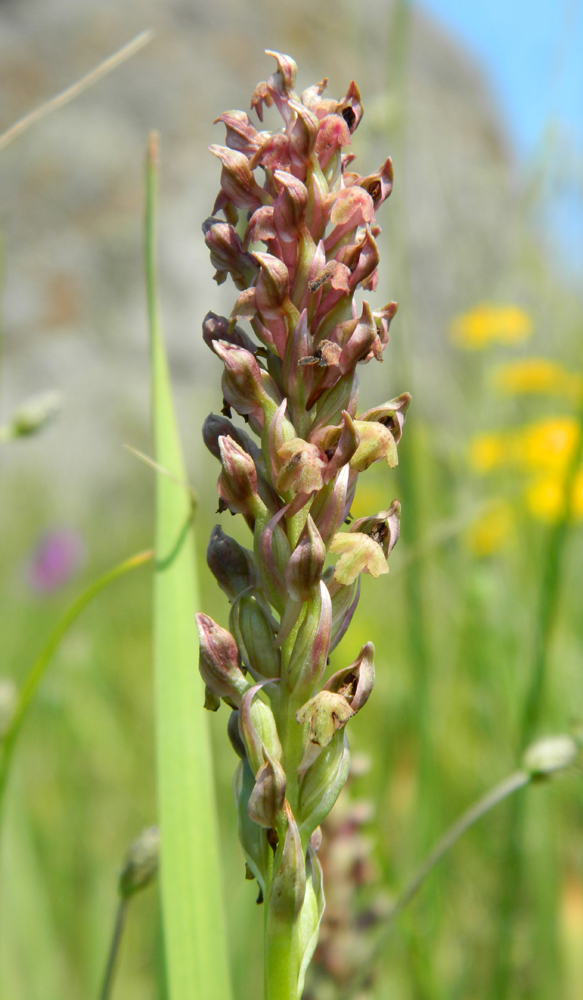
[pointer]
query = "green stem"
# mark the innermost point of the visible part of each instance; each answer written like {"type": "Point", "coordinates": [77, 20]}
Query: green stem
{"type": "Point", "coordinates": [493, 798]}
{"type": "Point", "coordinates": [547, 608]}
{"type": "Point", "coordinates": [114, 950]}
{"type": "Point", "coordinates": [39, 667]}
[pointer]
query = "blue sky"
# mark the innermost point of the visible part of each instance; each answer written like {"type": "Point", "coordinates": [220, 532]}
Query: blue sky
{"type": "Point", "coordinates": [533, 54]}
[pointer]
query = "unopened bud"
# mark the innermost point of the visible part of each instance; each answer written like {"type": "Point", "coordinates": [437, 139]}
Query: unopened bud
{"type": "Point", "coordinates": [220, 328]}
{"type": "Point", "coordinates": [272, 290]}
{"type": "Point", "coordinates": [322, 783]}
{"type": "Point", "coordinates": [290, 205]}
{"type": "Point", "coordinates": [253, 627]}
{"type": "Point", "coordinates": [268, 795]}
{"type": "Point", "coordinates": [33, 416]}
{"type": "Point", "coordinates": [304, 569]}
{"type": "Point", "coordinates": [232, 566]}
{"type": "Point", "coordinates": [546, 756]}
{"type": "Point", "coordinates": [288, 888]}
{"type": "Point", "coordinates": [258, 729]}
{"type": "Point", "coordinates": [219, 661]}
{"type": "Point", "coordinates": [227, 255]}
{"type": "Point", "coordinates": [141, 864]}
{"type": "Point", "coordinates": [216, 426]}
{"type": "Point", "coordinates": [241, 383]}
{"type": "Point", "coordinates": [237, 482]}
{"type": "Point", "coordinates": [312, 645]}
{"type": "Point", "coordinates": [333, 134]}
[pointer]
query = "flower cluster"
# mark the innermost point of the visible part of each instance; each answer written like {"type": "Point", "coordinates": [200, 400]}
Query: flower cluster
{"type": "Point", "coordinates": [296, 388]}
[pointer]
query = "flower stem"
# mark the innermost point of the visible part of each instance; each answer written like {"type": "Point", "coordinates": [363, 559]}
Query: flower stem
{"type": "Point", "coordinates": [114, 950]}
{"type": "Point", "coordinates": [547, 608]}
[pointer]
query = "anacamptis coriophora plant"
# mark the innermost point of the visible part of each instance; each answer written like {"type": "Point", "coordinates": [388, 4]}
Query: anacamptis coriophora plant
{"type": "Point", "coordinates": [293, 482]}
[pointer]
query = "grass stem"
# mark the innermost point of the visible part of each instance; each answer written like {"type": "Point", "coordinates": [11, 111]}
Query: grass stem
{"type": "Point", "coordinates": [106, 989]}
{"type": "Point", "coordinates": [39, 667]}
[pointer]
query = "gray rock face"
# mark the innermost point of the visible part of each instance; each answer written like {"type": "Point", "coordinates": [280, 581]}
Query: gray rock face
{"type": "Point", "coordinates": [72, 193]}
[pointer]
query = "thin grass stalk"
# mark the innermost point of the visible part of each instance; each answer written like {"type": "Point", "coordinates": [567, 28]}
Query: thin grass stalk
{"type": "Point", "coordinates": [194, 934]}
{"type": "Point", "coordinates": [43, 660]}
{"type": "Point", "coordinates": [418, 640]}
{"type": "Point", "coordinates": [119, 924]}
{"type": "Point", "coordinates": [546, 616]}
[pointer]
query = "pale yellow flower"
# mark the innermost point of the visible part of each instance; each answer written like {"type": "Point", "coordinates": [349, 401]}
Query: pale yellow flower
{"type": "Point", "coordinates": [492, 530]}
{"type": "Point", "coordinates": [490, 324]}
{"type": "Point", "coordinates": [488, 451]}
{"type": "Point", "coordinates": [546, 444]}
{"type": "Point", "coordinates": [545, 497]}
{"type": "Point", "coordinates": [537, 375]}
{"type": "Point", "coordinates": [359, 553]}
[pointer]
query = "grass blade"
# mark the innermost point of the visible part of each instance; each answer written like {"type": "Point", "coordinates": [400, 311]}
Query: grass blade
{"type": "Point", "coordinates": [39, 667]}
{"type": "Point", "coordinates": [196, 952]}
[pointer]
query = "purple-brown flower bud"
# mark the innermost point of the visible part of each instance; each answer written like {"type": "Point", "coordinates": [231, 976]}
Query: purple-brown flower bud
{"type": "Point", "coordinates": [355, 682]}
{"type": "Point", "coordinates": [242, 383]}
{"type": "Point", "coordinates": [238, 184]}
{"type": "Point", "coordinates": [220, 328]}
{"type": "Point", "coordinates": [266, 800]}
{"type": "Point", "coordinates": [237, 482]}
{"type": "Point", "coordinates": [304, 569]}
{"type": "Point", "coordinates": [219, 661]}
{"type": "Point", "coordinates": [216, 426]}
{"type": "Point", "coordinates": [232, 566]}
{"type": "Point", "coordinates": [227, 255]}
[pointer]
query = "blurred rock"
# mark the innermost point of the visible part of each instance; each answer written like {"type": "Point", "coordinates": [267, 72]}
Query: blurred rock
{"type": "Point", "coordinates": [72, 192]}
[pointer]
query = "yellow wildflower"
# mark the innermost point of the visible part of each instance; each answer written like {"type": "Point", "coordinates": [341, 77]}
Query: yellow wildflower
{"type": "Point", "coordinates": [545, 497]}
{"type": "Point", "coordinates": [547, 444]}
{"type": "Point", "coordinates": [537, 375]}
{"type": "Point", "coordinates": [490, 324]}
{"type": "Point", "coordinates": [488, 451]}
{"type": "Point", "coordinates": [490, 532]}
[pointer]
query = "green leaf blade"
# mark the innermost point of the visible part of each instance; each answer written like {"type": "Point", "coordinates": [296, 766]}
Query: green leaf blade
{"type": "Point", "coordinates": [195, 941]}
